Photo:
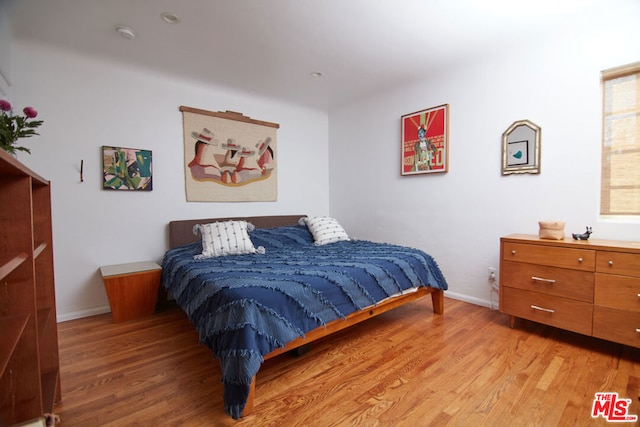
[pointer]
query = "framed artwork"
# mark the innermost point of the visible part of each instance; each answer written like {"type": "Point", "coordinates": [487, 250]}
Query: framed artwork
{"type": "Point", "coordinates": [126, 169]}
{"type": "Point", "coordinates": [425, 141]}
{"type": "Point", "coordinates": [229, 157]}
{"type": "Point", "coordinates": [521, 148]}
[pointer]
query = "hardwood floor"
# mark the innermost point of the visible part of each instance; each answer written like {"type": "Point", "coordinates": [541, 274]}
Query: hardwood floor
{"type": "Point", "coordinates": [407, 367]}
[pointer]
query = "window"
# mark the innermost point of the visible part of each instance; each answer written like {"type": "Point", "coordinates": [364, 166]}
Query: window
{"type": "Point", "coordinates": [620, 188]}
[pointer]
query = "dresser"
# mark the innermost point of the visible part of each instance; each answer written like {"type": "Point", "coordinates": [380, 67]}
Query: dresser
{"type": "Point", "coordinates": [591, 287]}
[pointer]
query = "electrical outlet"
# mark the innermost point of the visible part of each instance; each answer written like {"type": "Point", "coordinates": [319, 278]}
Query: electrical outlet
{"type": "Point", "coordinates": [492, 275]}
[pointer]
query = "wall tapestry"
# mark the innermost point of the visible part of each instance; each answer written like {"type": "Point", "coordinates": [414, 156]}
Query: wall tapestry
{"type": "Point", "coordinates": [126, 169]}
{"type": "Point", "coordinates": [425, 141]}
{"type": "Point", "coordinates": [229, 157]}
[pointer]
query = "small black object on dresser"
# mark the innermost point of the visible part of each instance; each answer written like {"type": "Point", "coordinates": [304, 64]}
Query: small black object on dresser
{"type": "Point", "coordinates": [583, 236]}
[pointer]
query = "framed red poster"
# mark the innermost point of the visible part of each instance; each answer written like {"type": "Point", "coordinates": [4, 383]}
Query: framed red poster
{"type": "Point", "coordinates": [425, 141]}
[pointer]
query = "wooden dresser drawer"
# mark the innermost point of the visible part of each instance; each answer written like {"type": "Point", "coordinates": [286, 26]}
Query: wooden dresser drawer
{"type": "Point", "coordinates": [618, 263]}
{"type": "Point", "coordinates": [616, 325]}
{"type": "Point", "coordinates": [577, 259]}
{"type": "Point", "coordinates": [574, 284]}
{"type": "Point", "coordinates": [619, 292]}
{"type": "Point", "coordinates": [560, 312]}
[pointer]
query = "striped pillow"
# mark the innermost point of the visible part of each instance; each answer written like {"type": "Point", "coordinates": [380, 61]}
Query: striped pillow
{"type": "Point", "coordinates": [325, 230]}
{"type": "Point", "coordinates": [224, 238]}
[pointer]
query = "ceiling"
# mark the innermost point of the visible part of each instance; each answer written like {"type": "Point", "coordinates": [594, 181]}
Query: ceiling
{"type": "Point", "coordinates": [271, 47]}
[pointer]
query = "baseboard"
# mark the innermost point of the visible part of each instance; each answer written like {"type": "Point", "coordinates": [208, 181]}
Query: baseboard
{"type": "Point", "coordinates": [471, 300]}
{"type": "Point", "coordinates": [63, 317]}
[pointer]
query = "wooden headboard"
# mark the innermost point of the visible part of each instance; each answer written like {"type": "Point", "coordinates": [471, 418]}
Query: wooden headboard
{"type": "Point", "coordinates": [181, 231]}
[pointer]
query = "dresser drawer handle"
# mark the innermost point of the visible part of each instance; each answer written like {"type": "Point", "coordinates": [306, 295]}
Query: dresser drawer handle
{"type": "Point", "coordinates": [638, 330]}
{"type": "Point", "coordinates": [610, 262]}
{"type": "Point", "coordinates": [548, 310]}
{"type": "Point", "coordinates": [540, 279]}
{"type": "Point", "coordinates": [580, 259]}
{"type": "Point", "coordinates": [513, 252]}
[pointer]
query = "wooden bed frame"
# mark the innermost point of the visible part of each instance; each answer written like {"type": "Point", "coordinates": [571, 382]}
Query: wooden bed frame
{"type": "Point", "coordinates": [181, 233]}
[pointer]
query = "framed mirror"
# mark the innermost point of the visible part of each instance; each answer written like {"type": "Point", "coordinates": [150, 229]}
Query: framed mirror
{"type": "Point", "coordinates": [521, 148]}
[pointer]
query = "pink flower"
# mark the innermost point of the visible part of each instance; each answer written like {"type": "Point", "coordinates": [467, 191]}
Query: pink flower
{"type": "Point", "coordinates": [16, 127]}
{"type": "Point", "coordinates": [30, 112]}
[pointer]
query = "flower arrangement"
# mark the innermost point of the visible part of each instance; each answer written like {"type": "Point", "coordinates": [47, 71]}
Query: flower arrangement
{"type": "Point", "coordinates": [15, 127]}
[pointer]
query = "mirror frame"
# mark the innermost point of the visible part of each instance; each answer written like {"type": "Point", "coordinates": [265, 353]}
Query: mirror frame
{"type": "Point", "coordinates": [532, 144]}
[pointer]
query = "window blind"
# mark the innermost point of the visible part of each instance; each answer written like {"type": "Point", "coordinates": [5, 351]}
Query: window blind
{"type": "Point", "coordinates": [620, 183]}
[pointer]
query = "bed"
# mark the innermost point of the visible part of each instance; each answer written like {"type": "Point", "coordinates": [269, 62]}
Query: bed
{"type": "Point", "coordinates": [288, 290]}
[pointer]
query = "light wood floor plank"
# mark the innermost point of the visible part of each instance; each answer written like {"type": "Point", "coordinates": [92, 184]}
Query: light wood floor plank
{"type": "Point", "coordinates": [407, 367]}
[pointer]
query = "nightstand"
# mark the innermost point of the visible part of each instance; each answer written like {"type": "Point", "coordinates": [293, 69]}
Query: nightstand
{"type": "Point", "coordinates": [132, 289]}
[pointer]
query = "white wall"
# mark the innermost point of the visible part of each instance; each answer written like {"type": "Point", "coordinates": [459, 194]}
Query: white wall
{"type": "Point", "coordinates": [87, 103]}
{"type": "Point", "coordinates": [6, 36]}
{"type": "Point", "coordinates": [459, 217]}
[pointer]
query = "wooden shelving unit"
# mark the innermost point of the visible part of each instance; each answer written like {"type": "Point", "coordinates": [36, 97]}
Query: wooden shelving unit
{"type": "Point", "coordinates": [29, 361]}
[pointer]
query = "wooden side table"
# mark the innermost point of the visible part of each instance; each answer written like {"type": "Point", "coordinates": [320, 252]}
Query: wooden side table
{"type": "Point", "coordinates": [132, 289]}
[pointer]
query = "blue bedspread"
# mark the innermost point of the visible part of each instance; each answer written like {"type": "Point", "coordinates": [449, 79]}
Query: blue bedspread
{"type": "Point", "coordinates": [245, 306]}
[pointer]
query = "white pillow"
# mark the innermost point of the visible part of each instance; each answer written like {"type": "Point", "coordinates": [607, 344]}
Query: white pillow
{"type": "Point", "coordinates": [325, 230]}
{"type": "Point", "coordinates": [224, 238]}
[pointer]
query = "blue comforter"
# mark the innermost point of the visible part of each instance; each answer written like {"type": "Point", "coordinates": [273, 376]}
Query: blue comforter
{"type": "Point", "coordinates": [245, 306]}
